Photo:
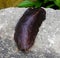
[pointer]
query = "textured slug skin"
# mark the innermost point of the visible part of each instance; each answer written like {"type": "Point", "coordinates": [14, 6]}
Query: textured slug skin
{"type": "Point", "coordinates": [28, 27]}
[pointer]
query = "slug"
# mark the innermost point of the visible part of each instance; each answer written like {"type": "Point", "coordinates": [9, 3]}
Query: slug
{"type": "Point", "coordinates": [28, 27]}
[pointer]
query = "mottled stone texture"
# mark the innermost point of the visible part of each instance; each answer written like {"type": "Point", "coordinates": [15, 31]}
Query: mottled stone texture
{"type": "Point", "coordinates": [47, 43]}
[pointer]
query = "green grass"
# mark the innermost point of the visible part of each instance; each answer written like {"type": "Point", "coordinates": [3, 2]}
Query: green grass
{"type": "Point", "coordinates": [41, 3]}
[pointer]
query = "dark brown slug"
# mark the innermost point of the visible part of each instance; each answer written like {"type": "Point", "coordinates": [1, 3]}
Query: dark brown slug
{"type": "Point", "coordinates": [28, 27]}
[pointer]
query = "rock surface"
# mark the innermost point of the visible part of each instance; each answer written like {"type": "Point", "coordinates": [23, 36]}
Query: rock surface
{"type": "Point", "coordinates": [47, 43]}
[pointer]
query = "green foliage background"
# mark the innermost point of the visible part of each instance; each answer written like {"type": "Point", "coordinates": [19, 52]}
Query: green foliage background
{"type": "Point", "coordinates": [41, 3]}
{"type": "Point", "coordinates": [30, 3]}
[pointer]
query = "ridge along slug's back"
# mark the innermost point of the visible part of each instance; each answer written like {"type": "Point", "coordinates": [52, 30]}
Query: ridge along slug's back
{"type": "Point", "coordinates": [28, 27]}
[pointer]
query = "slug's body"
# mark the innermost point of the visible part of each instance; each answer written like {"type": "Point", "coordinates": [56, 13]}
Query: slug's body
{"type": "Point", "coordinates": [28, 27]}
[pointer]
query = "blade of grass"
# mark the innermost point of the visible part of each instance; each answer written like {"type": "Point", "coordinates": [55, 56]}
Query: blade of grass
{"type": "Point", "coordinates": [26, 4]}
{"type": "Point", "coordinates": [57, 2]}
{"type": "Point", "coordinates": [37, 4]}
{"type": "Point", "coordinates": [50, 6]}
